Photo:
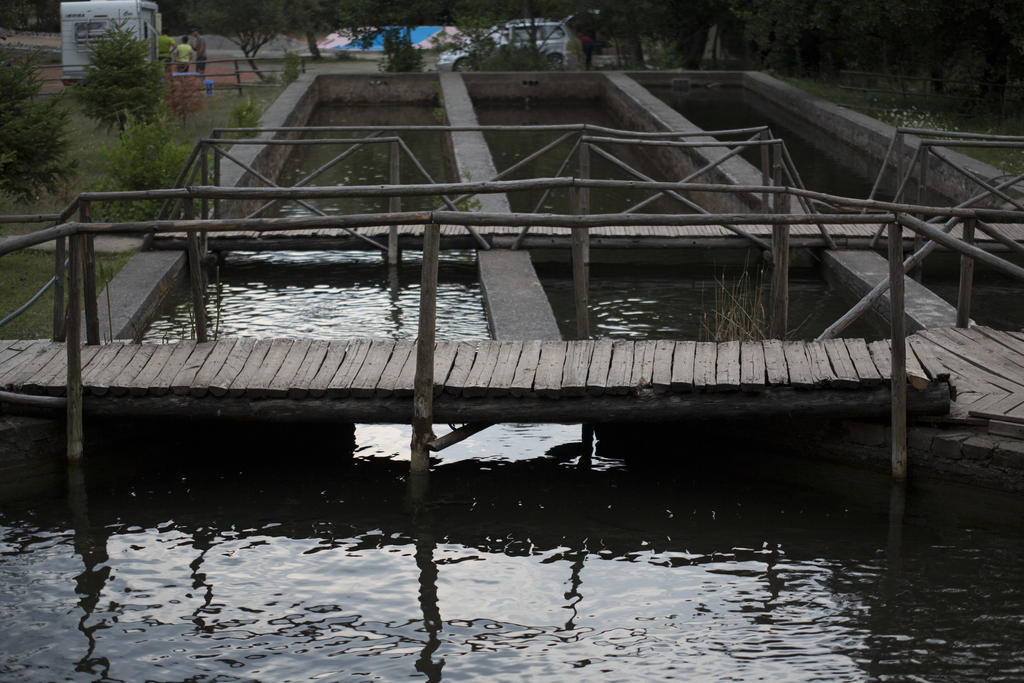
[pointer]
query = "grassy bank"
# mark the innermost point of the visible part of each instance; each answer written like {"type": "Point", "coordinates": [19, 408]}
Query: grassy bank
{"type": "Point", "coordinates": [920, 111]}
{"type": "Point", "coordinates": [23, 273]}
{"type": "Point", "coordinates": [89, 138]}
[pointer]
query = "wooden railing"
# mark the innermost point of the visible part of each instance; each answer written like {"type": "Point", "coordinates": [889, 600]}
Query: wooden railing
{"type": "Point", "coordinates": [896, 216]}
{"type": "Point", "coordinates": [927, 141]}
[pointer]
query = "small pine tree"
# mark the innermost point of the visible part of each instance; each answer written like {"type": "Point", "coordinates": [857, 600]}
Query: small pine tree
{"type": "Point", "coordinates": [120, 81]}
{"type": "Point", "coordinates": [33, 134]}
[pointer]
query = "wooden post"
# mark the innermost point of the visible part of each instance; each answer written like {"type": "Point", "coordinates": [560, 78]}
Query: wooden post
{"type": "Point", "coordinates": [898, 328]}
{"type": "Point", "coordinates": [394, 203]}
{"type": "Point", "coordinates": [204, 207]}
{"type": "Point", "coordinates": [216, 175]}
{"type": "Point", "coordinates": [423, 385]}
{"type": "Point", "coordinates": [204, 179]}
{"type": "Point", "coordinates": [73, 328]}
{"type": "Point", "coordinates": [963, 298]}
{"type": "Point", "coordinates": [780, 260]}
{"type": "Point", "coordinates": [581, 249]}
{"type": "Point", "coordinates": [922, 187]}
{"type": "Point", "coordinates": [195, 275]}
{"type": "Point", "coordinates": [766, 174]}
{"type": "Point", "coordinates": [900, 162]}
{"type": "Point", "coordinates": [92, 320]}
{"type": "Point", "coordinates": [59, 276]}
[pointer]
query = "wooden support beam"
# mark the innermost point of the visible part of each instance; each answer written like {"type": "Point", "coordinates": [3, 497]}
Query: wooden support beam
{"type": "Point", "coordinates": [195, 277]}
{"type": "Point", "coordinates": [33, 401]}
{"type": "Point", "coordinates": [92, 320]}
{"type": "Point", "coordinates": [456, 435]}
{"type": "Point", "coordinates": [74, 350]}
{"type": "Point", "coordinates": [423, 384]}
{"type": "Point", "coordinates": [780, 259]}
{"type": "Point", "coordinates": [394, 202]}
{"type": "Point", "coordinates": [899, 354]}
{"type": "Point", "coordinates": [766, 170]}
{"type": "Point", "coordinates": [581, 251]}
{"type": "Point", "coordinates": [59, 278]}
{"type": "Point", "coordinates": [873, 402]}
{"type": "Point", "coordinates": [964, 292]}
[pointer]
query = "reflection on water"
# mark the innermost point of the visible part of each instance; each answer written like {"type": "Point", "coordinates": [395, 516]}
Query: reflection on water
{"type": "Point", "coordinates": [673, 294]}
{"type": "Point", "coordinates": [330, 295]}
{"type": "Point", "coordinates": [198, 563]}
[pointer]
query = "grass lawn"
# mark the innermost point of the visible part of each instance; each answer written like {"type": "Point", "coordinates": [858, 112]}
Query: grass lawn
{"type": "Point", "coordinates": [928, 112]}
{"type": "Point", "coordinates": [23, 273]}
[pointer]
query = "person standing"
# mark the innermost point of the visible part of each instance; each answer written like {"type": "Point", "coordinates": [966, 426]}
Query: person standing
{"type": "Point", "coordinates": [165, 48]}
{"type": "Point", "coordinates": [183, 55]}
{"type": "Point", "coordinates": [588, 49]}
{"type": "Point", "coordinates": [199, 46]}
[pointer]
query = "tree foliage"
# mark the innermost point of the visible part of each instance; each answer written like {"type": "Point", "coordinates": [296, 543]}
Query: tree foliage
{"type": "Point", "coordinates": [250, 25]}
{"type": "Point", "coordinates": [30, 15]}
{"type": "Point", "coordinates": [33, 134]}
{"type": "Point", "coordinates": [145, 158]}
{"type": "Point", "coordinates": [120, 82]}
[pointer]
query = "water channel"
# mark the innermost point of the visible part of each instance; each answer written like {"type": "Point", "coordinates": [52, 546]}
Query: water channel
{"type": "Point", "coordinates": [203, 559]}
{"type": "Point", "coordinates": [300, 554]}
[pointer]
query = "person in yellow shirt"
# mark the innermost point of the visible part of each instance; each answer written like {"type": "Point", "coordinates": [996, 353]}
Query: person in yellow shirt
{"type": "Point", "coordinates": [165, 48]}
{"type": "Point", "coordinates": [183, 55]}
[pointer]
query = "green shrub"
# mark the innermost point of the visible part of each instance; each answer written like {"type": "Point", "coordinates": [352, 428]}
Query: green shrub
{"type": "Point", "coordinates": [33, 134]}
{"type": "Point", "coordinates": [515, 58]}
{"type": "Point", "coordinates": [146, 158]}
{"type": "Point", "coordinates": [400, 54]}
{"type": "Point", "coordinates": [120, 81]}
{"type": "Point", "coordinates": [292, 65]}
{"type": "Point", "coordinates": [245, 115]}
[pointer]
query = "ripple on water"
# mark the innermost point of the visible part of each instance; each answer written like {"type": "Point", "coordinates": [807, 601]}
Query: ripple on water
{"type": "Point", "coordinates": [330, 295]}
{"type": "Point", "coordinates": [514, 568]}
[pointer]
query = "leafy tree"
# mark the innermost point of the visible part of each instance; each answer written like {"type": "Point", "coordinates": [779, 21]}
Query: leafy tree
{"type": "Point", "coordinates": [33, 134]}
{"type": "Point", "coordinates": [366, 20]}
{"type": "Point", "coordinates": [120, 82]}
{"type": "Point", "coordinates": [250, 25]}
{"type": "Point", "coordinates": [310, 17]}
{"type": "Point", "coordinates": [32, 15]}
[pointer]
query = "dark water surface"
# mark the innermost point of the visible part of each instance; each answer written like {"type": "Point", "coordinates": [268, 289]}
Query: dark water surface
{"type": "Point", "coordinates": [824, 165]}
{"type": "Point", "coordinates": [186, 560]}
{"type": "Point", "coordinates": [674, 293]}
{"type": "Point", "coordinates": [370, 164]}
{"type": "Point", "coordinates": [299, 554]}
{"type": "Point", "coordinates": [508, 147]}
{"type": "Point", "coordinates": [329, 295]}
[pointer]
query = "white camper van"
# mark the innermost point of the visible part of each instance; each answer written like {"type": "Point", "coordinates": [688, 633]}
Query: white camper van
{"type": "Point", "coordinates": [81, 23]}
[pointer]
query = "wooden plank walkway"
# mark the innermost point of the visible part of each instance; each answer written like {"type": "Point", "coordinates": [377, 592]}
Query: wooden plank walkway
{"type": "Point", "coordinates": [840, 232]}
{"type": "Point", "coordinates": [372, 380]}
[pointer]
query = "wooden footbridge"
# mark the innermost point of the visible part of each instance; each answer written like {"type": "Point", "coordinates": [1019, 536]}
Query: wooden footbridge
{"type": "Point", "coordinates": [476, 381]}
{"type": "Point", "coordinates": [479, 383]}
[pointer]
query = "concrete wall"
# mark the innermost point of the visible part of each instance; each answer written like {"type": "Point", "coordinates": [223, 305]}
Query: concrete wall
{"type": "Point", "coordinates": [636, 108]}
{"type": "Point", "coordinates": [292, 108]}
{"type": "Point", "coordinates": [863, 140]}
{"type": "Point", "coordinates": [537, 85]}
{"type": "Point", "coordinates": [378, 88]}
{"type": "Point", "coordinates": [632, 107]}
{"type": "Point", "coordinates": [960, 454]}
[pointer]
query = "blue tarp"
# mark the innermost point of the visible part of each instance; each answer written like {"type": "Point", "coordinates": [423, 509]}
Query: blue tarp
{"type": "Point", "coordinates": [416, 35]}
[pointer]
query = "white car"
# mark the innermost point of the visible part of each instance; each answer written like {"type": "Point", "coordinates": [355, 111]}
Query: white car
{"type": "Point", "coordinates": [552, 40]}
